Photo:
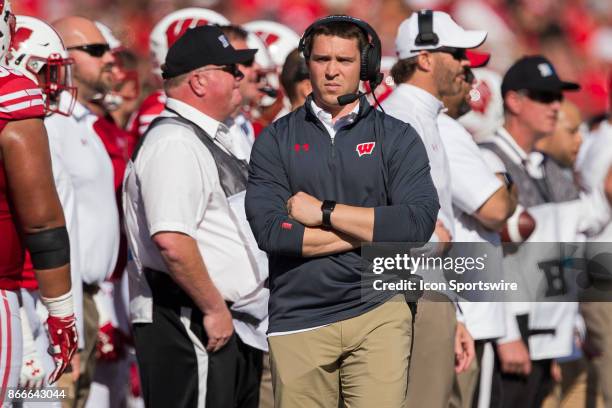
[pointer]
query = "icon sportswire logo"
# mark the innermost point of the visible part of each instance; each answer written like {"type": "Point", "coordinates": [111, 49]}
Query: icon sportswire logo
{"type": "Point", "coordinates": [365, 148]}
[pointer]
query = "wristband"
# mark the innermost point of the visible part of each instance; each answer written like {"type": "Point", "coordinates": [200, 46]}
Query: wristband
{"type": "Point", "coordinates": [61, 306]}
{"type": "Point", "coordinates": [327, 207]}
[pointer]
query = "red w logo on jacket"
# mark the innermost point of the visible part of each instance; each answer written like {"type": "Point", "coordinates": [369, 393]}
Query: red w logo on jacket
{"type": "Point", "coordinates": [365, 148]}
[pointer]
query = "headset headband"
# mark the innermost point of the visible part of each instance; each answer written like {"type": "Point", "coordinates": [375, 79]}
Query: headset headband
{"type": "Point", "coordinates": [365, 27]}
{"type": "Point", "coordinates": [426, 33]}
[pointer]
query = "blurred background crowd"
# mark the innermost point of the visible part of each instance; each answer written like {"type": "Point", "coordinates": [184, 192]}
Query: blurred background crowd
{"type": "Point", "coordinates": [575, 35]}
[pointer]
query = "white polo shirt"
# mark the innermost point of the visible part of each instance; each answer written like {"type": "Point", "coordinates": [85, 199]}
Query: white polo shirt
{"type": "Point", "coordinates": [473, 183]}
{"type": "Point", "coordinates": [91, 173]}
{"type": "Point", "coordinates": [420, 109]}
{"type": "Point", "coordinates": [174, 186]}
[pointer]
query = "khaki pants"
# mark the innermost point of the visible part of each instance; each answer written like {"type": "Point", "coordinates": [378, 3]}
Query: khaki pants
{"type": "Point", "coordinates": [598, 320]}
{"type": "Point", "coordinates": [266, 396]}
{"type": "Point", "coordinates": [466, 383]}
{"type": "Point", "coordinates": [432, 364]}
{"type": "Point", "coordinates": [363, 360]}
{"type": "Point", "coordinates": [578, 387]}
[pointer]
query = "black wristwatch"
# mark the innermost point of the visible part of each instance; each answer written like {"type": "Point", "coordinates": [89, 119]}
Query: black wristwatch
{"type": "Point", "coordinates": [327, 207]}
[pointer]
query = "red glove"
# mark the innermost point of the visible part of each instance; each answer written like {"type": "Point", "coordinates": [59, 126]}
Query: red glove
{"type": "Point", "coordinates": [63, 337]}
{"type": "Point", "coordinates": [134, 380]}
{"type": "Point", "coordinates": [110, 346]}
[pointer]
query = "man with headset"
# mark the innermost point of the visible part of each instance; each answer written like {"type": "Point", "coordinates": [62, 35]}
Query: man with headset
{"type": "Point", "coordinates": [324, 178]}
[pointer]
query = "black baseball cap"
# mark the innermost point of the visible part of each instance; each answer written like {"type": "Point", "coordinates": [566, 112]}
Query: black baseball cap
{"type": "Point", "coordinates": [535, 73]}
{"type": "Point", "coordinates": [201, 46]}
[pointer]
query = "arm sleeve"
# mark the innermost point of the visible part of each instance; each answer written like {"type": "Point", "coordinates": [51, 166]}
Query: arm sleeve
{"type": "Point", "coordinates": [413, 201]}
{"type": "Point", "coordinates": [473, 182]}
{"type": "Point", "coordinates": [267, 194]}
{"type": "Point", "coordinates": [493, 161]}
{"type": "Point", "coordinates": [170, 205]}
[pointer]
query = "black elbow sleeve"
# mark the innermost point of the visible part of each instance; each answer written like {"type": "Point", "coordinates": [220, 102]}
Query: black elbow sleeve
{"type": "Point", "coordinates": [49, 248]}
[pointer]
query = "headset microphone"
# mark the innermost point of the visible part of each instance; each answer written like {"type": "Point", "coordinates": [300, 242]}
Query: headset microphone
{"type": "Point", "coordinates": [349, 98]}
{"type": "Point", "coordinates": [352, 97]}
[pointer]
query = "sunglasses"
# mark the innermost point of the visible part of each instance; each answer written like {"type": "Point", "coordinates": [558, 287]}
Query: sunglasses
{"type": "Point", "coordinates": [544, 97]}
{"type": "Point", "coordinates": [248, 63]}
{"type": "Point", "coordinates": [457, 53]}
{"type": "Point", "coordinates": [95, 50]}
{"type": "Point", "coordinates": [230, 69]}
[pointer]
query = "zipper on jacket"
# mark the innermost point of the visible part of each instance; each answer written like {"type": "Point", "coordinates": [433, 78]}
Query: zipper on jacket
{"type": "Point", "coordinates": [333, 150]}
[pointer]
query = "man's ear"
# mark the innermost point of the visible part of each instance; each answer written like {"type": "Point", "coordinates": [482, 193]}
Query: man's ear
{"type": "Point", "coordinates": [304, 88]}
{"type": "Point", "coordinates": [198, 84]}
{"type": "Point", "coordinates": [513, 102]}
{"type": "Point", "coordinates": [425, 61]}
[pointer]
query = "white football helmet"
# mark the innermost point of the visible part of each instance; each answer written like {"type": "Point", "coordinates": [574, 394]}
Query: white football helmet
{"type": "Point", "coordinates": [108, 35]}
{"type": "Point", "coordinates": [279, 39]}
{"type": "Point", "coordinates": [267, 69]}
{"type": "Point", "coordinates": [7, 28]}
{"type": "Point", "coordinates": [37, 51]}
{"type": "Point", "coordinates": [487, 104]}
{"type": "Point", "coordinates": [170, 28]}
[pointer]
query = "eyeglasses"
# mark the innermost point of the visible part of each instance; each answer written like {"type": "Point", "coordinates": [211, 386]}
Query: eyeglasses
{"type": "Point", "coordinates": [544, 97]}
{"type": "Point", "coordinates": [230, 69]}
{"type": "Point", "coordinates": [95, 50]}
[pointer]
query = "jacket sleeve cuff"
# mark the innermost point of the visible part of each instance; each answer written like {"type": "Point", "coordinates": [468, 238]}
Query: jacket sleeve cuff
{"type": "Point", "coordinates": [290, 238]}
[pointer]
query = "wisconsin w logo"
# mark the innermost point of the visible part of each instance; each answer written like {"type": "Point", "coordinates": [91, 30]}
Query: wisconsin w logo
{"type": "Point", "coordinates": [365, 148]}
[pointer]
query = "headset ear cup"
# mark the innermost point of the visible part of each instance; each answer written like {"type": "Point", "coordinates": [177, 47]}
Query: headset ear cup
{"type": "Point", "coordinates": [373, 69]}
{"type": "Point", "coordinates": [365, 63]}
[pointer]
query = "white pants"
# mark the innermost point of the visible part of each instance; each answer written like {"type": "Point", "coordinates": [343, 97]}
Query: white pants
{"type": "Point", "coordinates": [10, 343]}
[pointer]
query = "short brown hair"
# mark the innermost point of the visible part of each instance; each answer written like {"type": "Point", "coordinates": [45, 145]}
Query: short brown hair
{"type": "Point", "coordinates": [342, 29]}
{"type": "Point", "coordinates": [403, 70]}
{"type": "Point", "coordinates": [294, 71]}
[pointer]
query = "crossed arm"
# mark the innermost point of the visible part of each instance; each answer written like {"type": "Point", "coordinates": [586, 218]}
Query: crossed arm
{"type": "Point", "coordinates": [351, 225]}
{"type": "Point", "coordinates": [287, 223]}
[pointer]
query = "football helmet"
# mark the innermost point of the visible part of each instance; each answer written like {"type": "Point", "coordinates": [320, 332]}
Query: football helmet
{"type": "Point", "coordinates": [7, 28]}
{"type": "Point", "coordinates": [37, 51]}
{"type": "Point", "coordinates": [170, 28]}
{"type": "Point", "coordinates": [279, 39]}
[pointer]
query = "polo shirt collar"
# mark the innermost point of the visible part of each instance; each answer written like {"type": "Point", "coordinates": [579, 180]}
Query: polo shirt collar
{"type": "Point", "coordinates": [326, 117]}
{"type": "Point", "coordinates": [202, 120]}
{"type": "Point", "coordinates": [421, 99]}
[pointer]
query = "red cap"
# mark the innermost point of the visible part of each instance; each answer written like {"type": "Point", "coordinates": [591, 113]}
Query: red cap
{"type": "Point", "coordinates": [477, 59]}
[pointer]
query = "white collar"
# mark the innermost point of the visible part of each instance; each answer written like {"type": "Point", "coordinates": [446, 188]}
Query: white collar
{"type": "Point", "coordinates": [79, 112]}
{"type": "Point", "coordinates": [432, 105]}
{"type": "Point", "coordinates": [531, 162]}
{"type": "Point", "coordinates": [516, 150]}
{"type": "Point", "coordinates": [204, 122]}
{"type": "Point", "coordinates": [326, 117]}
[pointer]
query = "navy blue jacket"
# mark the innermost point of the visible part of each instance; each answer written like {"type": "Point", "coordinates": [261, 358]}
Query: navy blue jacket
{"type": "Point", "coordinates": [295, 154]}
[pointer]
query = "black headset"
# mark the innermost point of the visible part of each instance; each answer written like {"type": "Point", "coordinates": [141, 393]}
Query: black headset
{"type": "Point", "coordinates": [426, 33]}
{"type": "Point", "coordinates": [370, 54]}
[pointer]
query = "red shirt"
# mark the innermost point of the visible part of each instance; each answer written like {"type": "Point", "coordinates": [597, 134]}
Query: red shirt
{"type": "Point", "coordinates": [150, 108]}
{"type": "Point", "coordinates": [20, 99]}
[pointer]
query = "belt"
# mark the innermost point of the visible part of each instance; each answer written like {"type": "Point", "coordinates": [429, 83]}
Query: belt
{"type": "Point", "coordinates": [90, 289]}
{"type": "Point", "coordinates": [166, 292]}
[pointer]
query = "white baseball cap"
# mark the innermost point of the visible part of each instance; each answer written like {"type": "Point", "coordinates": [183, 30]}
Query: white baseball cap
{"type": "Point", "coordinates": [430, 30]}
